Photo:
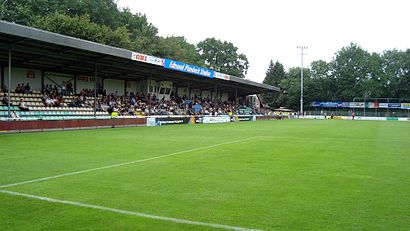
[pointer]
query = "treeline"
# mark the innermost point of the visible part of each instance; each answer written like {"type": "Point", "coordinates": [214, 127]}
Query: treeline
{"type": "Point", "coordinates": [102, 21]}
{"type": "Point", "coordinates": [353, 73]}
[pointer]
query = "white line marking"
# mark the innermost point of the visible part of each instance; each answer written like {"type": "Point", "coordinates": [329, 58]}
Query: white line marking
{"type": "Point", "coordinates": [121, 164]}
{"type": "Point", "coordinates": [327, 139]}
{"type": "Point", "coordinates": [136, 214]}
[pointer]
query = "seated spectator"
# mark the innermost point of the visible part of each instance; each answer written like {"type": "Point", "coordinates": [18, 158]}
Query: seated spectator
{"type": "Point", "coordinates": [18, 89]}
{"type": "Point", "coordinates": [5, 99]}
{"type": "Point", "coordinates": [22, 106]}
{"type": "Point", "coordinates": [48, 101]}
{"type": "Point", "coordinates": [4, 88]}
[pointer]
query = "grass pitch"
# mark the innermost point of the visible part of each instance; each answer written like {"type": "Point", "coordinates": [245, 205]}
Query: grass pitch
{"type": "Point", "coordinates": [288, 175]}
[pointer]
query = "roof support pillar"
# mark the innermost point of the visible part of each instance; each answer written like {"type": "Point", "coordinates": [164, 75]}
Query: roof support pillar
{"type": "Point", "coordinates": [236, 102]}
{"type": "Point", "coordinates": [216, 92]}
{"type": "Point", "coordinates": [95, 89]}
{"type": "Point", "coordinates": [174, 85]}
{"type": "Point", "coordinates": [149, 94]}
{"type": "Point", "coordinates": [9, 86]}
{"type": "Point", "coordinates": [2, 77]}
{"type": "Point", "coordinates": [75, 84]}
{"type": "Point", "coordinates": [102, 83]}
{"type": "Point", "coordinates": [42, 81]}
{"type": "Point", "coordinates": [189, 89]}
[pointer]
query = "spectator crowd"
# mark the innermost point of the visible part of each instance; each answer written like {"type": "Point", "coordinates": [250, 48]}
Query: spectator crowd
{"type": "Point", "coordinates": [130, 103]}
{"type": "Point", "coordinates": [141, 104]}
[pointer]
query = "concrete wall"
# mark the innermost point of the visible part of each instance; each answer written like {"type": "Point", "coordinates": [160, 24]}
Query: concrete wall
{"type": "Point", "coordinates": [85, 82]}
{"type": "Point", "coordinates": [58, 78]}
{"type": "Point", "coordinates": [206, 94]}
{"type": "Point", "coordinates": [132, 86]}
{"type": "Point", "coordinates": [20, 75]}
{"type": "Point", "coordinates": [113, 85]}
{"type": "Point", "coordinates": [33, 77]}
{"type": "Point", "coordinates": [224, 96]}
{"type": "Point", "coordinates": [196, 92]}
{"type": "Point", "coordinates": [182, 91]}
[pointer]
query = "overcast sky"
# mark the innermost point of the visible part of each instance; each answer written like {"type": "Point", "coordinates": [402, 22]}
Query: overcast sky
{"type": "Point", "coordinates": [271, 30]}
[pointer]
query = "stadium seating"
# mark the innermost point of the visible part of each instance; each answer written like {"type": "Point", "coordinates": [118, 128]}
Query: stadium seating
{"type": "Point", "coordinates": [39, 112]}
{"type": "Point", "coordinates": [108, 104]}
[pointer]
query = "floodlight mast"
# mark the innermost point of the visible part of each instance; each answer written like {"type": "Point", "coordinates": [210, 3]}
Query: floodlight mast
{"type": "Point", "coordinates": [302, 48]}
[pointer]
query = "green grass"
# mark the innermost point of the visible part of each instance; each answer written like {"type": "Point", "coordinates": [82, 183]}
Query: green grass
{"type": "Point", "coordinates": [292, 175]}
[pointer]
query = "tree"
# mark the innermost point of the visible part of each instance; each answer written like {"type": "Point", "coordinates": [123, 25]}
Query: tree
{"type": "Point", "coordinates": [178, 48]}
{"type": "Point", "coordinates": [82, 27]}
{"type": "Point", "coordinates": [323, 80]}
{"type": "Point", "coordinates": [223, 57]}
{"type": "Point", "coordinates": [269, 74]}
{"type": "Point", "coordinates": [274, 75]}
{"type": "Point", "coordinates": [351, 71]}
{"type": "Point", "coordinates": [396, 66]}
{"type": "Point", "coordinates": [374, 84]}
{"type": "Point", "coordinates": [143, 35]}
{"type": "Point", "coordinates": [290, 89]}
{"type": "Point", "coordinates": [18, 11]}
{"type": "Point", "coordinates": [105, 13]}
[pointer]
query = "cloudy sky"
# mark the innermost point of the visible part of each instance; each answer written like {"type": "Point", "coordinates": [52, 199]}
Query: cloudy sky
{"type": "Point", "coordinates": [271, 30]}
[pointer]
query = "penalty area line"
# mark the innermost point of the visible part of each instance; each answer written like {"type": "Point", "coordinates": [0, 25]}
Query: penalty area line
{"type": "Point", "coordinates": [126, 212]}
{"type": "Point", "coordinates": [122, 164]}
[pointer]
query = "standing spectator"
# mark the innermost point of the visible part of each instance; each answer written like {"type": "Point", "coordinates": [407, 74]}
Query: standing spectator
{"type": "Point", "coordinates": [63, 88]}
{"type": "Point", "coordinates": [27, 88]}
{"type": "Point", "coordinates": [69, 87]}
{"type": "Point", "coordinates": [22, 88]}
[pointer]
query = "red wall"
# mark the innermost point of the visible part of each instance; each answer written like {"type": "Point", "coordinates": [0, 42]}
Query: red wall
{"type": "Point", "coordinates": [266, 117]}
{"type": "Point", "coordinates": [61, 124]}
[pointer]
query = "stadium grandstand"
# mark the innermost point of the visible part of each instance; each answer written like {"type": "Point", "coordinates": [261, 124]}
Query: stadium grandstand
{"type": "Point", "coordinates": [48, 77]}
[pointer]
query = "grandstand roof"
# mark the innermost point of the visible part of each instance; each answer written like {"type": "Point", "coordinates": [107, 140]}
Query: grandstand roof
{"type": "Point", "coordinates": [51, 52]}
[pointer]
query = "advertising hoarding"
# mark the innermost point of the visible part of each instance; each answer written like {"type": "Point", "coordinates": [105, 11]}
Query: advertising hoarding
{"type": "Point", "coordinates": [147, 59]}
{"type": "Point", "coordinates": [405, 105]}
{"type": "Point", "coordinates": [328, 104]}
{"type": "Point", "coordinates": [171, 120]}
{"type": "Point", "coordinates": [245, 118]}
{"type": "Point", "coordinates": [151, 121]}
{"type": "Point", "coordinates": [222, 76]}
{"type": "Point", "coordinates": [216, 119]}
{"type": "Point", "coordinates": [394, 105]}
{"type": "Point", "coordinates": [383, 105]}
{"type": "Point", "coordinates": [188, 68]}
{"type": "Point", "coordinates": [356, 104]}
